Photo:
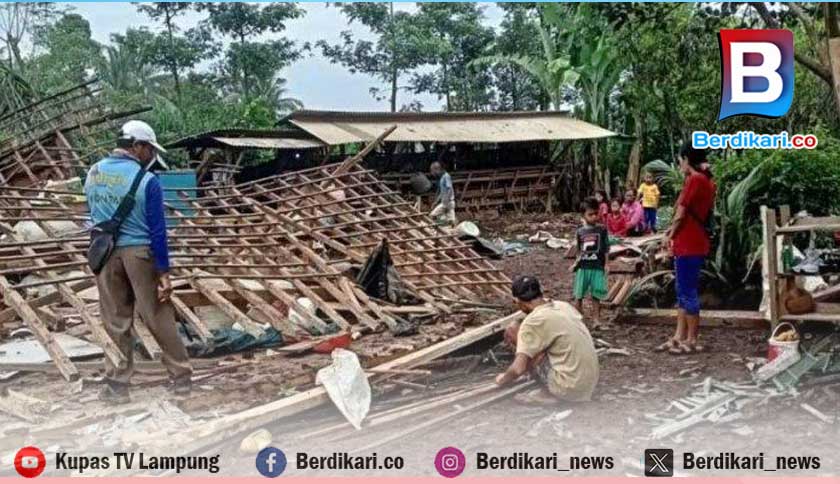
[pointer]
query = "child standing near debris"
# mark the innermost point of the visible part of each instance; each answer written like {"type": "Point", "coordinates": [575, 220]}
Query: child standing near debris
{"type": "Point", "coordinates": [616, 223]}
{"type": "Point", "coordinates": [444, 209]}
{"type": "Point", "coordinates": [649, 195]}
{"type": "Point", "coordinates": [591, 266]}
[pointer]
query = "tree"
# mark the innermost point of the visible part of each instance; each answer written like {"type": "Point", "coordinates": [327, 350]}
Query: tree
{"type": "Point", "coordinates": [458, 38]}
{"type": "Point", "coordinates": [596, 59]}
{"type": "Point", "coordinates": [247, 62]}
{"type": "Point", "coordinates": [70, 54]}
{"type": "Point", "coordinates": [17, 21]}
{"type": "Point", "coordinates": [172, 51]}
{"type": "Point", "coordinates": [129, 64]}
{"type": "Point", "coordinates": [516, 89]}
{"type": "Point", "coordinates": [400, 47]}
{"type": "Point", "coordinates": [551, 69]}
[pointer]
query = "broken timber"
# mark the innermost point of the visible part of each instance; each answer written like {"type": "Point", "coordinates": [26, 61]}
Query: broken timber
{"type": "Point", "coordinates": [216, 431]}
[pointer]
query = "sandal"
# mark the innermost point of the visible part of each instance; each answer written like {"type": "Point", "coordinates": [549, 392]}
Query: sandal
{"type": "Point", "coordinates": [696, 347]}
{"type": "Point", "coordinates": [680, 349]}
{"type": "Point", "coordinates": [668, 345]}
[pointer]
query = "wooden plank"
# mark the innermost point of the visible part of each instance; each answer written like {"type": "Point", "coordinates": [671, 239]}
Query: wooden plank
{"type": "Point", "coordinates": [349, 163]}
{"type": "Point", "coordinates": [225, 428]}
{"type": "Point", "coordinates": [142, 333]}
{"type": "Point", "coordinates": [770, 272]}
{"type": "Point", "coordinates": [709, 318]}
{"type": "Point", "coordinates": [39, 329]}
{"type": "Point", "coordinates": [227, 307]}
{"type": "Point", "coordinates": [500, 394]}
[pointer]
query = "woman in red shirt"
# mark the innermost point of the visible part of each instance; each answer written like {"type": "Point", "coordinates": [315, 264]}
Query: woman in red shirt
{"type": "Point", "coordinates": [689, 241]}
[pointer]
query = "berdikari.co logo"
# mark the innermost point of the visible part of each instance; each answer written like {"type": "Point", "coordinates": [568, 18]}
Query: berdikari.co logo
{"type": "Point", "coordinates": [756, 80]}
{"type": "Point", "coordinates": [756, 72]}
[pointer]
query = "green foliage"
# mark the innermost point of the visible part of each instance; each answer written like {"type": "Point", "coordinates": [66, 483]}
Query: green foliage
{"type": "Point", "coordinates": [70, 54]}
{"type": "Point", "coordinates": [401, 45]}
{"type": "Point", "coordinates": [458, 36]}
{"type": "Point", "coordinates": [247, 64]}
{"type": "Point", "coordinates": [738, 234]}
{"type": "Point", "coordinates": [170, 51]}
{"type": "Point", "coordinates": [803, 179]}
{"type": "Point", "coordinates": [15, 91]}
{"type": "Point", "coordinates": [516, 90]}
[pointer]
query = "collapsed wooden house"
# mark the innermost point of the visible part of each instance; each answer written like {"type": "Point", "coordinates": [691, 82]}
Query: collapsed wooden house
{"type": "Point", "coordinates": [497, 160]}
{"type": "Point", "coordinates": [258, 252]}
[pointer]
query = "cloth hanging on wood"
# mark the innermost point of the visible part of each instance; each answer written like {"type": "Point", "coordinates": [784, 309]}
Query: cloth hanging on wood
{"type": "Point", "coordinates": [380, 279]}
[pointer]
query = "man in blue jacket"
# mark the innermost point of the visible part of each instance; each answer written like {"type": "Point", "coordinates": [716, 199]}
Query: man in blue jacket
{"type": "Point", "coordinates": [137, 273]}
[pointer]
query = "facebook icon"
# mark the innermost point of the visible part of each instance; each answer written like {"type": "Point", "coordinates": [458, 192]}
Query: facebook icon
{"type": "Point", "coordinates": [271, 462]}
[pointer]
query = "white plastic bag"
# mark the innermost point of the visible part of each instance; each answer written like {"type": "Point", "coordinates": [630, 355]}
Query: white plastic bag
{"type": "Point", "coordinates": [347, 385]}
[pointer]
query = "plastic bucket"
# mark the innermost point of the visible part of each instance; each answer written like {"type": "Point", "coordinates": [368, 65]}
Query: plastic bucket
{"type": "Point", "coordinates": [778, 348]}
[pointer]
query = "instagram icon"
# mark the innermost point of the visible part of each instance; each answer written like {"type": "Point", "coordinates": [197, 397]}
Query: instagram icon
{"type": "Point", "coordinates": [450, 462]}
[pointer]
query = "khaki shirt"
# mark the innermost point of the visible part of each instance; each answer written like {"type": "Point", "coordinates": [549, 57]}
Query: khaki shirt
{"type": "Point", "coordinates": [558, 329]}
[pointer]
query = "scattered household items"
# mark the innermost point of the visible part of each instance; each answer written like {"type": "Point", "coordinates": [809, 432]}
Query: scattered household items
{"type": "Point", "coordinates": [782, 269]}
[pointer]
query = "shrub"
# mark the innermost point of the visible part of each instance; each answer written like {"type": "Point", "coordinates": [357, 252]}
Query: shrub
{"type": "Point", "coordinates": [804, 179]}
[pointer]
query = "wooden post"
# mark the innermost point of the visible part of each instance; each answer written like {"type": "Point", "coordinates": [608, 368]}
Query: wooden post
{"type": "Point", "coordinates": [770, 268]}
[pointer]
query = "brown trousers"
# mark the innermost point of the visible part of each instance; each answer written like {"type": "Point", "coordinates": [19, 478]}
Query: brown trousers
{"type": "Point", "coordinates": [128, 279]}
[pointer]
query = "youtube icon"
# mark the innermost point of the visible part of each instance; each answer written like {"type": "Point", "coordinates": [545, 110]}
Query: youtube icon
{"type": "Point", "coordinates": [30, 462]}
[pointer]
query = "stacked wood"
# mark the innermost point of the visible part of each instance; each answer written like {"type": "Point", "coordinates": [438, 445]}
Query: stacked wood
{"type": "Point", "coordinates": [522, 189]}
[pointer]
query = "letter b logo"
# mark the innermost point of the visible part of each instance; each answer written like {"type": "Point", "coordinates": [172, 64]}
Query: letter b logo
{"type": "Point", "coordinates": [756, 72]}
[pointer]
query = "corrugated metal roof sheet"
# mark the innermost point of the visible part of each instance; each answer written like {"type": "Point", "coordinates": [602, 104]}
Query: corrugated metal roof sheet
{"type": "Point", "coordinates": [335, 128]}
{"type": "Point", "coordinates": [270, 143]}
{"type": "Point", "coordinates": [210, 138]}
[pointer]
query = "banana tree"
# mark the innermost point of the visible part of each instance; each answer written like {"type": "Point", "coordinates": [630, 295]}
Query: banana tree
{"type": "Point", "coordinates": [599, 69]}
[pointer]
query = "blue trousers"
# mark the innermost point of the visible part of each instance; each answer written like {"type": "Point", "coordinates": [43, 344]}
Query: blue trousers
{"type": "Point", "coordinates": [650, 218]}
{"type": "Point", "coordinates": [688, 278]}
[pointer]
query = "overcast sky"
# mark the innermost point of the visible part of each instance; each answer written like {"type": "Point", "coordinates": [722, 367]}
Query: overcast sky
{"type": "Point", "coordinates": [313, 80]}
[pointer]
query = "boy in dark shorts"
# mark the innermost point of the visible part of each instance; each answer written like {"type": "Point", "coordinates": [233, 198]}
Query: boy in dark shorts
{"type": "Point", "coordinates": [591, 266]}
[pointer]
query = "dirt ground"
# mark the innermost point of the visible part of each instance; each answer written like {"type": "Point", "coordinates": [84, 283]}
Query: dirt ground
{"type": "Point", "coordinates": [618, 422]}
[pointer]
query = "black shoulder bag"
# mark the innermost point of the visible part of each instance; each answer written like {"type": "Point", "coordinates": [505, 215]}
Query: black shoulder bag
{"type": "Point", "coordinates": [103, 236]}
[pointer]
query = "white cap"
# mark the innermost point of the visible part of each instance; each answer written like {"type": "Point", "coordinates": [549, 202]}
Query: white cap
{"type": "Point", "coordinates": [140, 131]}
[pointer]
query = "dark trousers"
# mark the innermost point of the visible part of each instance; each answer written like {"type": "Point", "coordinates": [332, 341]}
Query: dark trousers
{"type": "Point", "coordinates": [650, 218]}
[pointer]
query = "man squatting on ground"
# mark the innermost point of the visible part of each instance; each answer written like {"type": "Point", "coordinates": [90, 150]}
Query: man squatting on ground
{"type": "Point", "coordinates": [444, 206]}
{"type": "Point", "coordinates": [137, 273]}
{"type": "Point", "coordinates": [553, 344]}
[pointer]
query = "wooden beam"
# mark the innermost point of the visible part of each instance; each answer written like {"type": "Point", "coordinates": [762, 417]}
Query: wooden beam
{"type": "Point", "coordinates": [212, 432]}
{"type": "Point", "coordinates": [39, 329]}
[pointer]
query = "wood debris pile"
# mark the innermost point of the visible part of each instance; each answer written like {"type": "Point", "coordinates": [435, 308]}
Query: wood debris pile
{"type": "Point", "coordinates": [280, 252]}
{"type": "Point", "coordinates": [56, 136]}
